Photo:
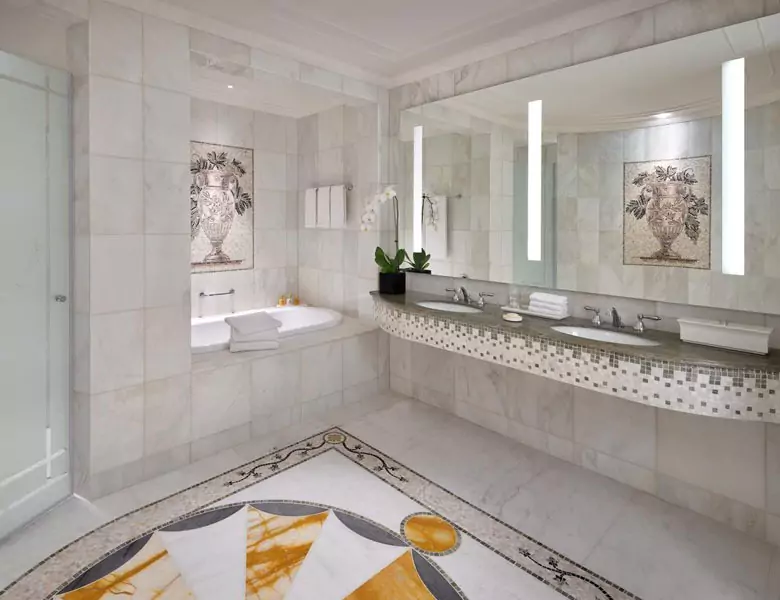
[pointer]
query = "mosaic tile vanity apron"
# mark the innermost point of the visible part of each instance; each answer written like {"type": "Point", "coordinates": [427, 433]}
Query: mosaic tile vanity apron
{"type": "Point", "coordinates": [326, 518]}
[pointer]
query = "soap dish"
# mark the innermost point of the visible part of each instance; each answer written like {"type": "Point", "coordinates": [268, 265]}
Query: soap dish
{"type": "Point", "coordinates": [513, 317]}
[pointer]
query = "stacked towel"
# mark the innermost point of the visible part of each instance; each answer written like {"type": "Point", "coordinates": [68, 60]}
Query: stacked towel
{"type": "Point", "coordinates": [255, 331]}
{"type": "Point", "coordinates": [549, 305]}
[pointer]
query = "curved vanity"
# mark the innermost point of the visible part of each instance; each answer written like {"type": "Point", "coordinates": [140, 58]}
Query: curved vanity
{"type": "Point", "coordinates": [663, 373]}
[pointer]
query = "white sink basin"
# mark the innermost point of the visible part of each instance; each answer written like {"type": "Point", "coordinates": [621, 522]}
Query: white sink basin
{"type": "Point", "coordinates": [449, 307]}
{"type": "Point", "coordinates": [604, 335]}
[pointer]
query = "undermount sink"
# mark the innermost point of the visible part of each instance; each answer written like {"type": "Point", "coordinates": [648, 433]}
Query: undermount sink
{"type": "Point", "coordinates": [604, 335]}
{"type": "Point", "coordinates": [449, 307]}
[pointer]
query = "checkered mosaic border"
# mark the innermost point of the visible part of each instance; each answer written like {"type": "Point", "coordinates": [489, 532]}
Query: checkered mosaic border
{"type": "Point", "coordinates": [732, 393]}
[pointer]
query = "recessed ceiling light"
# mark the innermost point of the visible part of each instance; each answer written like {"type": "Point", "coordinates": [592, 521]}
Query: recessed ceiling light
{"type": "Point", "coordinates": [663, 115]}
{"type": "Point", "coordinates": [230, 87]}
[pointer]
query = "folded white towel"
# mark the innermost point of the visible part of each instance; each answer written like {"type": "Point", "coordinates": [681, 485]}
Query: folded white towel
{"type": "Point", "coordinates": [549, 305]}
{"type": "Point", "coordinates": [548, 313]}
{"type": "Point", "coordinates": [272, 335]}
{"type": "Point", "coordinates": [549, 298]}
{"type": "Point", "coordinates": [252, 346]}
{"type": "Point", "coordinates": [253, 323]}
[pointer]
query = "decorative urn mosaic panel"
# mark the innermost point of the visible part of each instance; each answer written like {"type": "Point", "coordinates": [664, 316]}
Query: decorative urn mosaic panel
{"type": "Point", "coordinates": [666, 220]}
{"type": "Point", "coordinates": [221, 208]}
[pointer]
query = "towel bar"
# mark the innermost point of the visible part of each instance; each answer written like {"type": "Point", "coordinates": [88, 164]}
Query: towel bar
{"type": "Point", "coordinates": [230, 293]}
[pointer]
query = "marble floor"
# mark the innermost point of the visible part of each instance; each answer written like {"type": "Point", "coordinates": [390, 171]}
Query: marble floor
{"type": "Point", "coordinates": [617, 541]}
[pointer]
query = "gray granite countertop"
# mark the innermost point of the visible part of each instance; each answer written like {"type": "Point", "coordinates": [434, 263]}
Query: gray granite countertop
{"type": "Point", "coordinates": [670, 347]}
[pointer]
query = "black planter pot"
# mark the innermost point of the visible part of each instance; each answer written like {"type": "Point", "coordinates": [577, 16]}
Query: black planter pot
{"type": "Point", "coordinates": [426, 272]}
{"type": "Point", "coordinates": [392, 283]}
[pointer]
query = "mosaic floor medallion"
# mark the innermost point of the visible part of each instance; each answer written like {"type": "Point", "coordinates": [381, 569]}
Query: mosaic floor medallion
{"type": "Point", "coordinates": [329, 518]}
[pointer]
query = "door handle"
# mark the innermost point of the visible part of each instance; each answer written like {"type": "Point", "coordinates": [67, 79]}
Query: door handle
{"type": "Point", "coordinates": [60, 298]}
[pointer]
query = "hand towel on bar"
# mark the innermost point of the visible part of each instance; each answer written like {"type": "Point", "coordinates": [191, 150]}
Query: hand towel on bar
{"type": "Point", "coordinates": [550, 298]}
{"type": "Point", "coordinates": [310, 209]}
{"type": "Point", "coordinates": [272, 335]}
{"type": "Point", "coordinates": [323, 208]}
{"type": "Point", "coordinates": [338, 207]}
{"type": "Point", "coordinates": [252, 346]}
{"type": "Point", "coordinates": [549, 305]}
{"type": "Point", "coordinates": [256, 322]}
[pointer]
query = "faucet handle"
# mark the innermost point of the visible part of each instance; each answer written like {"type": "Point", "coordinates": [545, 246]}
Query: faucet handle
{"type": "Point", "coordinates": [640, 321]}
{"type": "Point", "coordinates": [596, 320]}
{"type": "Point", "coordinates": [482, 296]}
{"type": "Point", "coordinates": [455, 292]}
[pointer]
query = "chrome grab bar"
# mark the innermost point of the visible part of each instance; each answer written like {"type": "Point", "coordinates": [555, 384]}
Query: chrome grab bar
{"type": "Point", "coordinates": [205, 295]}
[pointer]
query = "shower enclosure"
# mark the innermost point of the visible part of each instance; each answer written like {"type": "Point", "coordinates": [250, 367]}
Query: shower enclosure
{"type": "Point", "coordinates": [35, 194]}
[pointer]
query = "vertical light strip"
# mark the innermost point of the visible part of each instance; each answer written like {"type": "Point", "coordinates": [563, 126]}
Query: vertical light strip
{"type": "Point", "coordinates": [417, 190]}
{"type": "Point", "coordinates": [535, 180]}
{"type": "Point", "coordinates": [733, 227]}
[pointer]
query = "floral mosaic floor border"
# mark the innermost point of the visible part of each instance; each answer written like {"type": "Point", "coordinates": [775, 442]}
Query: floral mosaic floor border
{"type": "Point", "coordinates": [553, 569]}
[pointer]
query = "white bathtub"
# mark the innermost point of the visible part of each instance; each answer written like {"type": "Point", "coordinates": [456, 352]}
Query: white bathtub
{"type": "Point", "coordinates": [210, 334]}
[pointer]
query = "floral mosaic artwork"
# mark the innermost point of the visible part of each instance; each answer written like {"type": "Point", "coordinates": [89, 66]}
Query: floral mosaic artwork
{"type": "Point", "coordinates": [666, 220]}
{"type": "Point", "coordinates": [221, 208]}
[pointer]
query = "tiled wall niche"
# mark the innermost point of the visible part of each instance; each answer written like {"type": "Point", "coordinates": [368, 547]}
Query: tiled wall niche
{"type": "Point", "coordinates": [726, 470]}
{"type": "Point", "coordinates": [274, 139]}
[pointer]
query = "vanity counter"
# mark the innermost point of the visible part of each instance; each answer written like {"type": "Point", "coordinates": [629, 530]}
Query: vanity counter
{"type": "Point", "coordinates": [675, 375]}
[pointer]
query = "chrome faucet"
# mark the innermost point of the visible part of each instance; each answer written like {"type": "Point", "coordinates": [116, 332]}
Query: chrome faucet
{"type": "Point", "coordinates": [596, 320]}
{"type": "Point", "coordinates": [461, 294]}
{"type": "Point", "coordinates": [617, 321]}
{"type": "Point", "coordinates": [640, 322]}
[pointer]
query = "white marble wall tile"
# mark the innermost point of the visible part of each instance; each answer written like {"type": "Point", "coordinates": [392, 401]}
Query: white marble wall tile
{"type": "Point", "coordinates": [165, 189]}
{"type": "Point", "coordinates": [320, 407]}
{"type": "Point", "coordinates": [219, 48]}
{"type": "Point", "coordinates": [235, 126]}
{"type": "Point", "coordinates": [271, 171]}
{"type": "Point", "coordinates": [613, 37]}
{"type": "Point", "coordinates": [773, 469]}
{"type": "Point", "coordinates": [166, 54]}
{"type": "Point", "coordinates": [481, 383]}
{"type": "Point", "coordinates": [167, 271]}
{"type": "Point", "coordinates": [270, 132]}
{"type": "Point", "coordinates": [728, 457]}
{"type": "Point", "coordinates": [400, 358]}
{"type": "Point", "coordinates": [167, 341]}
{"type": "Point", "coordinates": [115, 122]}
{"type": "Point", "coordinates": [275, 64]}
{"type": "Point", "coordinates": [544, 56]}
{"type": "Point", "coordinates": [321, 371]}
{"type": "Point", "coordinates": [221, 400]}
{"type": "Point", "coordinates": [432, 368]}
{"type": "Point", "coordinates": [115, 195]}
{"type": "Point", "coordinates": [443, 400]}
{"type": "Point", "coordinates": [637, 477]}
{"type": "Point", "coordinates": [620, 429]}
{"type": "Point", "coordinates": [116, 273]}
{"type": "Point", "coordinates": [203, 120]}
{"type": "Point", "coordinates": [675, 20]}
{"type": "Point", "coordinates": [167, 409]}
{"type": "Point", "coordinates": [540, 403]}
{"type": "Point", "coordinates": [211, 445]}
{"type": "Point", "coordinates": [271, 249]}
{"type": "Point", "coordinates": [485, 73]}
{"type": "Point", "coordinates": [735, 514]}
{"type": "Point", "coordinates": [321, 78]}
{"type": "Point", "coordinates": [115, 35]}
{"type": "Point", "coordinates": [116, 349]}
{"type": "Point", "coordinates": [276, 384]}
{"type": "Point", "coordinates": [166, 126]}
{"type": "Point", "coordinates": [116, 428]}
{"type": "Point", "coordinates": [361, 359]}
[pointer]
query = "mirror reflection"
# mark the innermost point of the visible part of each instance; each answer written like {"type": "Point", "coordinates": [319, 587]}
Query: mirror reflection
{"type": "Point", "coordinates": [632, 202]}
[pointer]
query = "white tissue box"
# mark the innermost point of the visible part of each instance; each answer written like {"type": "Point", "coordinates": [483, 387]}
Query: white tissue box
{"type": "Point", "coordinates": [733, 336]}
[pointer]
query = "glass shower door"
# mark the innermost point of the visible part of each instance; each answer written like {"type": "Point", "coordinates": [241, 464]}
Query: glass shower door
{"type": "Point", "coordinates": [34, 289]}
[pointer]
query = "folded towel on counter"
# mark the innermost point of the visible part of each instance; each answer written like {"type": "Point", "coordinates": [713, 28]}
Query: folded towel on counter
{"type": "Point", "coordinates": [549, 305]}
{"type": "Point", "coordinates": [553, 314]}
{"type": "Point", "coordinates": [252, 346]}
{"type": "Point", "coordinates": [272, 335]}
{"type": "Point", "coordinates": [549, 298]}
{"type": "Point", "coordinates": [256, 322]}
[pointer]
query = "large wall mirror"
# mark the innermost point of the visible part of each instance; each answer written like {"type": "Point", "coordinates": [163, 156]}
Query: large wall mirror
{"type": "Point", "coordinates": [629, 189]}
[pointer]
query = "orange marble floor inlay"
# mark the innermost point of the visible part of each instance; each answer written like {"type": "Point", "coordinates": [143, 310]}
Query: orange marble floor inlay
{"type": "Point", "coordinates": [275, 549]}
{"type": "Point", "coordinates": [397, 581]}
{"type": "Point", "coordinates": [149, 574]}
{"type": "Point", "coordinates": [430, 533]}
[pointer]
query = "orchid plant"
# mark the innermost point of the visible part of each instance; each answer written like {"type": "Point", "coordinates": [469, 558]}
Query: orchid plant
{"type": "Point", "coordinates": [373, 206]}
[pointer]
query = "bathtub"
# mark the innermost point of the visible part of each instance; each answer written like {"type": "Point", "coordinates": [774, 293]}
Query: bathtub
{"type": "Point", "coordinates": [210, 334]}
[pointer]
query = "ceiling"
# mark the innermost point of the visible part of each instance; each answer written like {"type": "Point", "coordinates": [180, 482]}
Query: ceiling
{"type": "Point", "coordinates": [393, 39]}
{"type": "Point", "coordinates": [680, 80]}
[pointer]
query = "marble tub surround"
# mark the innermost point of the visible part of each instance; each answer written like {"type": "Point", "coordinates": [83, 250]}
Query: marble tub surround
{"type": "Point", "coordinates": [643, 544]}
{"type": "Point", "coordinates": [235, 397]}
{"type": "Point", "coordinates": [721, 468]}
